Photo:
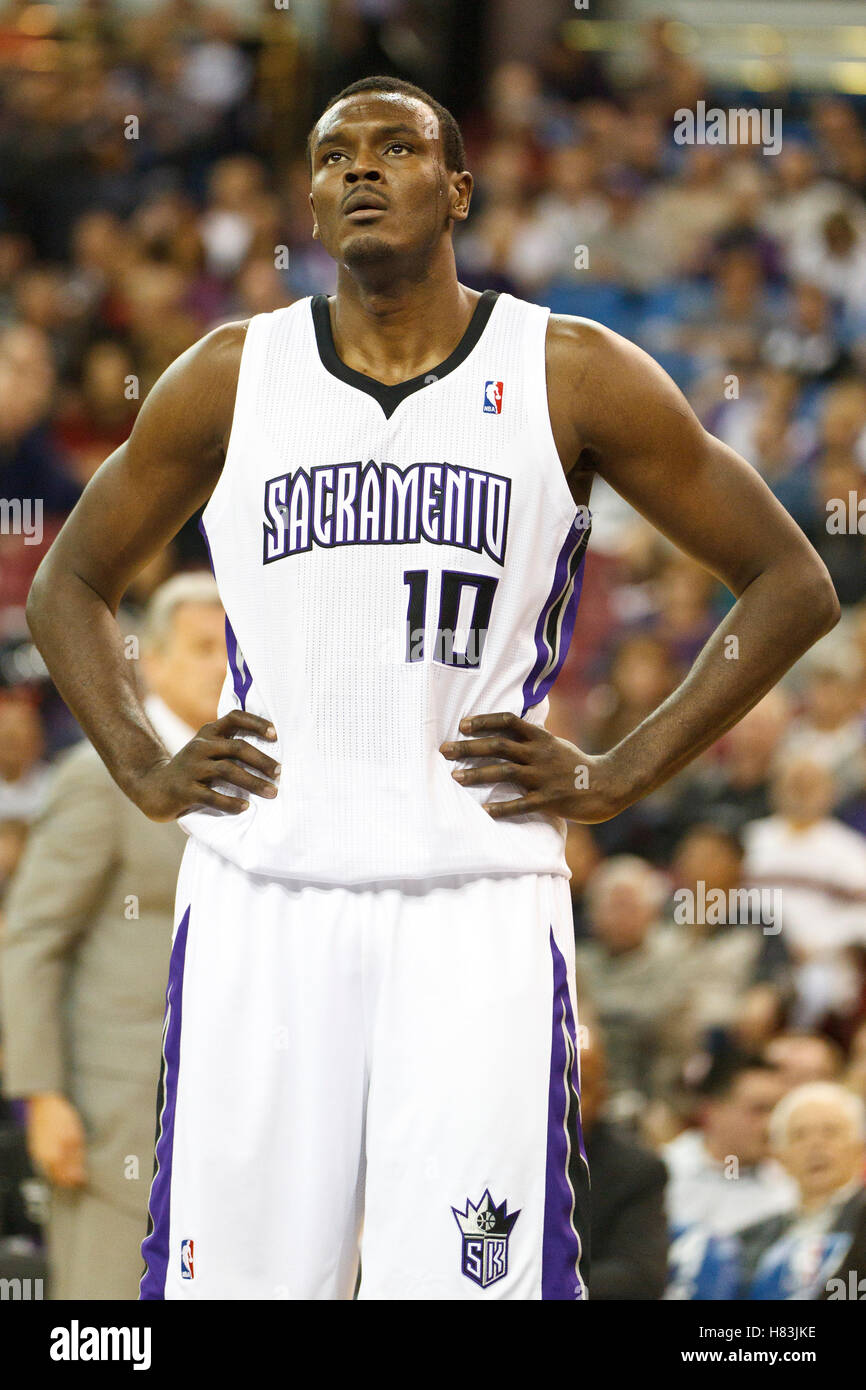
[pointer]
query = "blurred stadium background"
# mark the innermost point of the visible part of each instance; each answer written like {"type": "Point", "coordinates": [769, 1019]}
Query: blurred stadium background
{"type": "Point", "coordinates": [153, 185]}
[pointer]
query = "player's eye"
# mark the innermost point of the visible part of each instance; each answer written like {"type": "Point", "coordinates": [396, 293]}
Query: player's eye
{"type": "Point", "coordinates": [400, 145]}
{"type": "Point", "coordinates": [331, 154]}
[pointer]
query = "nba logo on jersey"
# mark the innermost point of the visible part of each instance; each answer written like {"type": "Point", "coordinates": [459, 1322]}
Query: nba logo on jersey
{"type": "Point", "coordinates": [493, 398]}
{"type": "Point", "coordinates": [187, 1270]}
{"type": "Point", "coordinates": [485, 1231]}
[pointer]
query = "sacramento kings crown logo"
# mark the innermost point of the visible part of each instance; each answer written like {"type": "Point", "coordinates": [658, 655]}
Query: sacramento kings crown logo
{"type": "Point", "coordinates": [485, 1229]}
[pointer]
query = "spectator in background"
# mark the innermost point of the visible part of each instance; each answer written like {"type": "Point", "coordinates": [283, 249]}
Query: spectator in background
{"type": "Point", "coordinates": [629, 1229]}
{"type": "Point", "coordinates": [582, 858]}
{"type": "Point", "coordinates": [630, 973]}
{"type": "Point", "coordinates": [13, 838]}
{"type": "Point", "coordinates": [642, 674]}
{"type": "Point", "coordinates": [803, 1057]}
{"type": "Point", "coordinates": [30, 465]}
{"type": "Point", "coordinates": [683, 619]}
{"type": "Point", "coordinates": [835, 260]}
{"type": "Point", "coordinates": [834, 527]}
{"type": "Point", "coordinates": [736, 965]}
{"type": "Point", "coordinates": [804, 197]}
{"type": "Point", "coordinates": [734, 787]}
{"type": "Point", "coordinates": [855, 1076]}
{"type": "Point", "coordinates": [84, 965]}
{"type": "Point", "coordinates": [721, 1176]}
{"type": "Point", "coordinates": [806, 341]}
{"type": "Point", "coordinates": [829, 727]}
{"type": "Point", "coordinates": [98, 414]}
{"type": "Point", "coordinates": [24, 776]}
{"type": "Point", "coordinates": [819, 1135]}
{"type": "Point", "coordinates": [819, 865]}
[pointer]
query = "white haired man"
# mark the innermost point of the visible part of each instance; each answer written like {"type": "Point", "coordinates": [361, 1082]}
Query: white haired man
{"type": "Point", "coordinates": [818, 1251]}
{"type": "Point", "coordinates": [85, 960]}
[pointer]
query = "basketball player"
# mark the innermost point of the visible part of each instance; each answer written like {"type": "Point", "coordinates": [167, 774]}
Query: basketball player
{"type": "Point", "coordinates": [370, 1008]}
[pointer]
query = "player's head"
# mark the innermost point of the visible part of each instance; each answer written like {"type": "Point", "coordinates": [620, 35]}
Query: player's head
{"type": "Point", "coordinates": [387, 178]}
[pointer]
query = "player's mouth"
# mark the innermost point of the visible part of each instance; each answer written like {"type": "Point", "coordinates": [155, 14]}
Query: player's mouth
{"type": "Point", "coordinates": [361, 206]}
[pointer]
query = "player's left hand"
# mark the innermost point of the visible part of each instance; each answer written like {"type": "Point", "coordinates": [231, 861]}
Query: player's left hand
{"type": "Point", "coordinates": [556, 775]}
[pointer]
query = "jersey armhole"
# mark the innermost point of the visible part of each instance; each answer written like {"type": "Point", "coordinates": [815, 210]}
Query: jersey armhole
{"type": "Point", "coordinates": [557, 482]}
{"type": "Point", "coordinates": [243, 406]}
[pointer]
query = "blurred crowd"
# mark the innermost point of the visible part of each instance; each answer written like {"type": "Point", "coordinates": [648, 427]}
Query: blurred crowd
{"type": "Point", "coordinates": [153, 185]}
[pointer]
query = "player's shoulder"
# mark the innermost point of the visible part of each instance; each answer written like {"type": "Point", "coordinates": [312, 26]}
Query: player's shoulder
{"type": "Point", "coordinates": [589, 363]}
{"type": "Point", "coordinates": [221, 347]}
{"type": "Point", "coordinates": [205, 375]}
{"type": "Point", "coordinates": [220, 350]}
{"type": "Point", "coordinates": [578, 342]}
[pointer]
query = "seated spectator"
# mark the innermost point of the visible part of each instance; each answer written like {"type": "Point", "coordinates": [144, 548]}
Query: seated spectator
{"type": "Point", "coordinates": [100, 411]}
{"type": "Point", "coordinates": [819, 864]}
{"type": "Point", "coordinates": [582, 858]}
{"type": "Point", "coordinates": [13, 837]}
{"type": "Point", "coordinates": [721, 1177]}
{"type": "Point", "coordinates": [855, 1076]}
{"type": "Point", "coordinates": [835, 259]}
{"type": "Point", "coordinates": [629, 971]}
{"type": "Point", "coordinates": [829, 728]}
{"type": "Point", "coordinates": [733, 787]}
{"type": "Point", "coordinates": [734, 953]}
{"type": "Point", "coordinates": [837, 483]}
{"type": "Point", "coordinates": [24, 776]}
{"type": "Point", "coordinates": [642, 674]}
{"type": "Point", "coordinates": [629, 1229]}
{"type": "Point", "coordinates": [806, 343]}
{"type": "Point", "coordinates": [803, 1057]}
{"type": "Point", "coordinates": [818, 1249]}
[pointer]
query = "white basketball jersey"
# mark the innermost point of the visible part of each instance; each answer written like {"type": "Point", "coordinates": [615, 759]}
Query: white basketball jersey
{"type": "Point", "coordinates": [391, 559]}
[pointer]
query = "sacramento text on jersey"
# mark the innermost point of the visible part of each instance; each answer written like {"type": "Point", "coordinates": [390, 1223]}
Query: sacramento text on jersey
{"type": "Point", "coordinates": [381, 504]}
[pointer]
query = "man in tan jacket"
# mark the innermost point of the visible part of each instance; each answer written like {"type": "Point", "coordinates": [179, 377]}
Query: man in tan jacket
{"type": "Point", "coordinates": [85, 961]}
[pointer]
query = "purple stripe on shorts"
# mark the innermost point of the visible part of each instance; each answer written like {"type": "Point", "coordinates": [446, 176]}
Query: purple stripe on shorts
{"type": "Point", "coordinates": [561, 1244]}
{"type": "Point", "coordinates": [565, 589]}
{"type": "Point", "coordinates": [155, 1246]}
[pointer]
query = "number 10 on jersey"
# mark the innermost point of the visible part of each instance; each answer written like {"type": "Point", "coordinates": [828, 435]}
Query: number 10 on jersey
{"type": "Point", "coordinates": [465, 604]}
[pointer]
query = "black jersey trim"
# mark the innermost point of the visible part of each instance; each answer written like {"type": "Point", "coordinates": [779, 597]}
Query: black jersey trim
{"type": "Point", "coordinates": [390, 396]}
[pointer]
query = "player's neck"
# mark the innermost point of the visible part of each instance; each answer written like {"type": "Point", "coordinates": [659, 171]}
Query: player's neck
{"type": "Point", "coordinates": [399, 332]}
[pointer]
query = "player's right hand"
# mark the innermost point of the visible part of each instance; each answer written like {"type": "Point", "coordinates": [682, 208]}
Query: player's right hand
{"type": "Point", "coordinates": [176, 785]}
{"type": "Point", "coordinates": [55, 1139]}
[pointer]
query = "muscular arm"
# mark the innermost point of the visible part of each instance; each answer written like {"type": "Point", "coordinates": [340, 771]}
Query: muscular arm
{"type": "Point", "coordinates": [617, 414]}
{"type": "Point", "coordinates": [132, 507]}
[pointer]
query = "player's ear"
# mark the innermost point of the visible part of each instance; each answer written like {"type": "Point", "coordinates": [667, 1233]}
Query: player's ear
{"type": "Point", "coordinates": [461, 194]}
{"type": "Point", "coordinates": [315, 223]}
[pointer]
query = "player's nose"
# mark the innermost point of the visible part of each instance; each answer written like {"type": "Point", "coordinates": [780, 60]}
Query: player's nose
{"type": "Point", "coordinates": [362, 173]}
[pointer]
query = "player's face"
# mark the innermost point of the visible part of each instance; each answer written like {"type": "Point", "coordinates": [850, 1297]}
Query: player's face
{"type": "Point", "coordinates": [379, 184]}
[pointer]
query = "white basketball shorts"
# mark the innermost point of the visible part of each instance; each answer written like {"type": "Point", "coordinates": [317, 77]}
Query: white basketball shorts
{"type": "Point", "coordinates": [392, 1071]}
